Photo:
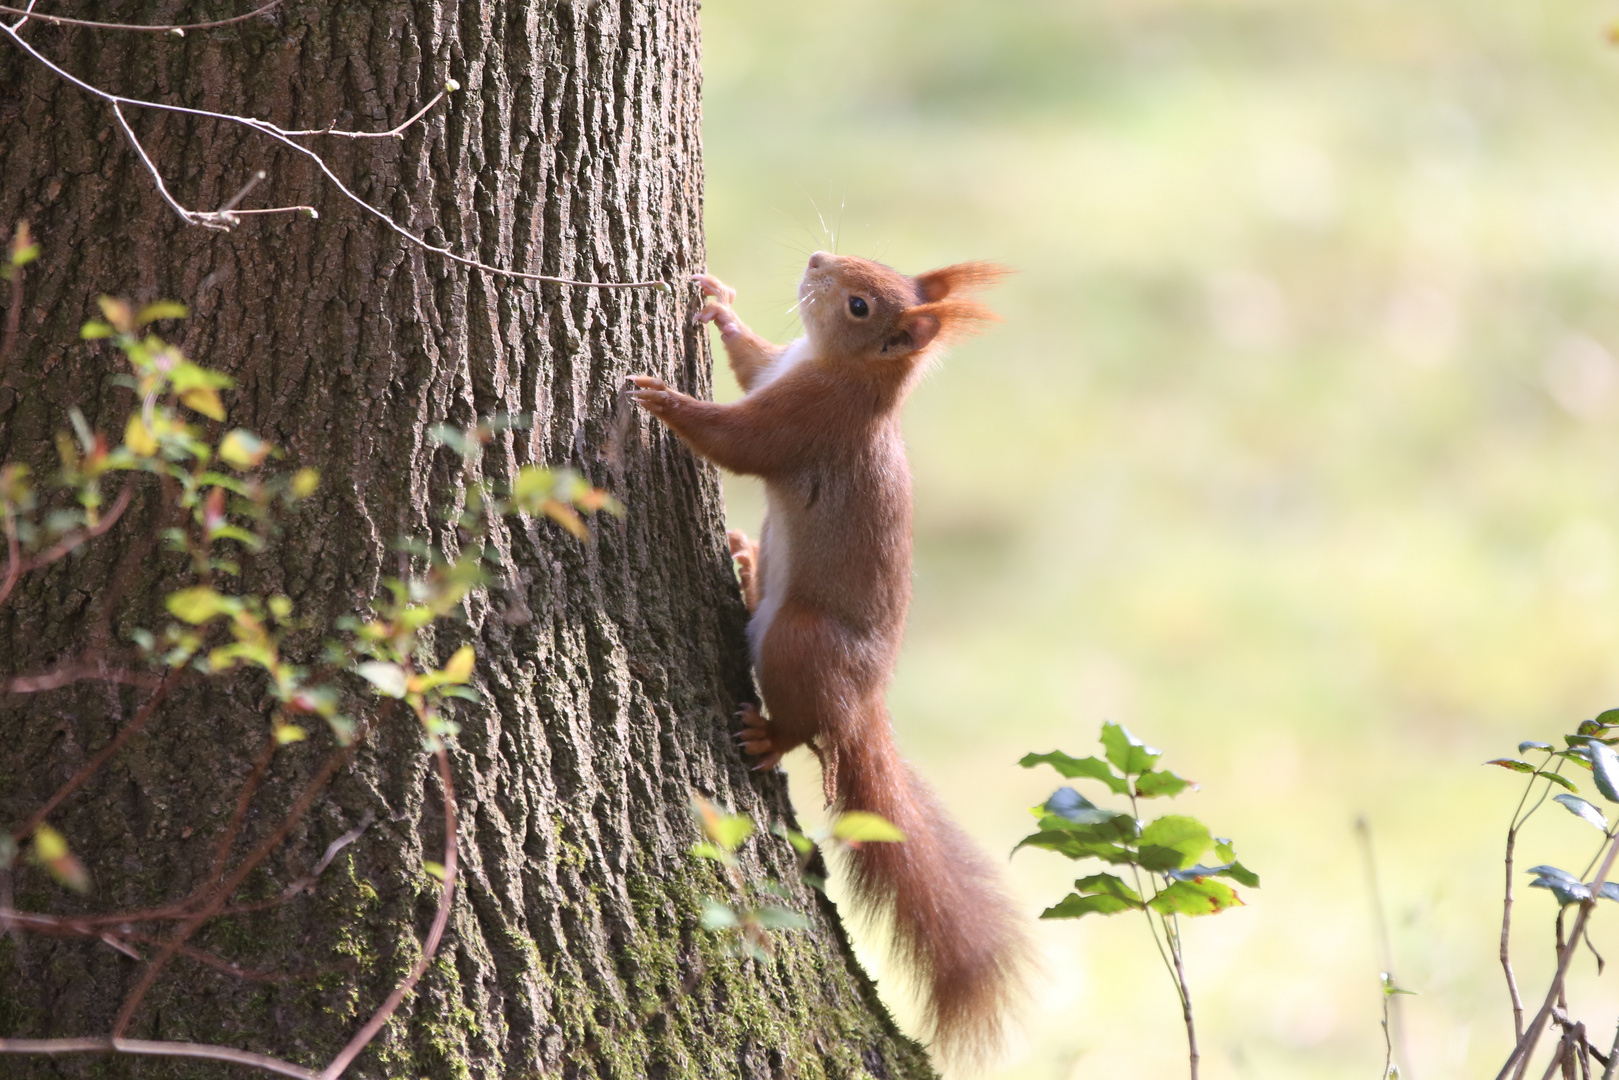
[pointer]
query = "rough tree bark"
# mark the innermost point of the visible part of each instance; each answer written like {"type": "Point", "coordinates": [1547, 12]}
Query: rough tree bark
{"type": "Point", "coordinates": [610, 670]}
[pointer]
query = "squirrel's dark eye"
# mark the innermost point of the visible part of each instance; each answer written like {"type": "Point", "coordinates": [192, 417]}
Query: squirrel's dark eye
{"type": "Point", "coordinates": [858, 308]}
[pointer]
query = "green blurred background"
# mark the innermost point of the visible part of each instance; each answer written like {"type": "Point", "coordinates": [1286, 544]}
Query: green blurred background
{"type": "Point", "coordinates": [1295, 454]}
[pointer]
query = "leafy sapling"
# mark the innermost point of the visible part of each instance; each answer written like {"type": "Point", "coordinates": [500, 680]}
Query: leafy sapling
{"type": "Point", "coordinates": [724, 835]}
{"type": "Point", "coordinates": [1589, 747]}
{"type": "Point", "coordinates": [1168, 878]}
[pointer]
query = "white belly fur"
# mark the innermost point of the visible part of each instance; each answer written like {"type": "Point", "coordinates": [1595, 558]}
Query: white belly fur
{"type": "Point", "coordinates": [797, 350]}
{"type": "Point", "coordinates": [774, 552]}
{"type": "Point", "coordinates": [776, 556]}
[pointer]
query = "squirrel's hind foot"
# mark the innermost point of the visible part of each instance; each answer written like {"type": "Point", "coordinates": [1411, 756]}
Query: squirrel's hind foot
{"type": "Point", "coordinates": [755, 738]}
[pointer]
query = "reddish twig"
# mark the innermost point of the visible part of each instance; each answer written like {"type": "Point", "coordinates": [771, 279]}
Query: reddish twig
{"type": "Point", "coordinates": [226, 889]}
{"type": "Point", "coordinates": [78, 671]}
{"type": "Point", "coordinates": [67, 544]}
{"type": "Point", "coordinates": [244, 799]}
{"type": "Point", "coordinates": [62, 20]}
{"type": "Point", "coordinates": [89, 768]}
{"type": "Point", "coordinates": [446, 894]}
{"type": "Point", "coordinates": [157, 1049]}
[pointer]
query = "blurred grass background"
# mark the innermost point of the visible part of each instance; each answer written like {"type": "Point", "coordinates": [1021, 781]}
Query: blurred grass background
{"type": "Point", "coordinates": [1295, 454]}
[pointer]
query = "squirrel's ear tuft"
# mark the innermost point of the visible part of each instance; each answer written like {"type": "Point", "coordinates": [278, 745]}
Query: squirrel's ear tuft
{"type": "Point", "coordinates": [962, 277]}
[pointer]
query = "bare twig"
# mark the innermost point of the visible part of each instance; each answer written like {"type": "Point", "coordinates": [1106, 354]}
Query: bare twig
{"type": "Point", "coordinates": [282, 136]}
{"type": "Point", "coordinates": [1172, 931]}
{"type": "Point", "coordinates": [228, 887]}
{"type": "Point", "coordinates": [446, 895]}
{"type": "Point", "coordinates": [1526, 1045]}
{"type": "Point", "coordinates": [69, 543]}
{"type": "Point", "coordinates": [395, 132]}
{"type": "Point", "coordinates": [244, 799]}
{"type": "Point", "coordinates": [62, 20]}
{"type": "Point", "coordinates": [150, 1048]}
{"type": "Point", "coordinates": [89, 768]}
{"type": "Point", "coordinates": [1392, 1014]}
{"type": "Point", "coordinates": [1612, 1063]}
{"type": "Point", "coordinates": [78, 670]}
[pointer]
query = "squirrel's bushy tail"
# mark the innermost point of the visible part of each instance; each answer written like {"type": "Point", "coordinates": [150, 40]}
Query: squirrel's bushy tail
{"type": "Point", "coordinates": [954, 929]}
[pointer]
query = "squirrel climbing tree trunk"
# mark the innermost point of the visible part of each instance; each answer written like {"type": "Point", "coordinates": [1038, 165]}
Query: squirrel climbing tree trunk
{"type": "Point", "coordinates": [609, 670]}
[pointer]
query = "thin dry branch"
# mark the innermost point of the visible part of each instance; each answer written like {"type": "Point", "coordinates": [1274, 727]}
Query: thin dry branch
{"type": "Point", "coordinates": [226, 888]}
{"type": "Point", "coordinates": [89, 768]}
{"type": "Point", "coordinates": [1519, 1058]}
{"type": "Point", "coordinates": [214, 219]}
{"type": "Point", "coordinates": [78, 670]}
{"type": "Point", "coordinates": [446, 896]}
{"type": "Point", "coordinates": [149, 1048]}
{"type": "Point", "coordinates": [181, 28]}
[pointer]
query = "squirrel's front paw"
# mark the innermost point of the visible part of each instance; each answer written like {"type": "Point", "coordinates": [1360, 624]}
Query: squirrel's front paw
{"type": "Point", "coordinates": [713, 286]}
{"type": "Point", "coordinates": [652, 395]}
{"type": "Point", "coordinates": [724, 318]}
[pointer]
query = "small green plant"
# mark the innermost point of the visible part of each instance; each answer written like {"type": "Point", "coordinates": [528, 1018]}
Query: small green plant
{"type": "Point", "coordinates": [725, 833]}
{"type": "Point", "coordinates": [1589, 748]}
{"type": "Point", "coordinates": [1168, 878]}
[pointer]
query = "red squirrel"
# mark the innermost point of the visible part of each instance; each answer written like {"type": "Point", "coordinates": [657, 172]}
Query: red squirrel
{"type": "Point", "coordinates": [828, 586]}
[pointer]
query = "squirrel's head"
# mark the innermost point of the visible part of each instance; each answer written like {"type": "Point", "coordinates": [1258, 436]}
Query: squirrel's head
{"type": "Point", "coordinates": [862, 309]}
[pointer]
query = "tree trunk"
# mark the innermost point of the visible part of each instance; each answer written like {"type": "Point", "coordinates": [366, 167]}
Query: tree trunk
{"type": "Point", "coordinates": [609, 670]}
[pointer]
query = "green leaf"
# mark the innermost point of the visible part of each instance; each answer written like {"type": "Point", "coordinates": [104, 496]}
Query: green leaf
{"type": "Point", "coordinates": [779, 918]}
{"type": "Point", "coordinates": [51, 849]}
{"type": "Point", "coordinates": [1608, 718]}
{"type": "Point", "coordinates": [1073, 906]}
{"type": "Point", "coordinates": [1077, 847]}
{"type": "Point", "coordinates": [1127, 753]}
{"type": "Point", "coordinates": [1582, 809]}
{"type": "Point", "coordinates": [1070, 805]}
{"type": "Point", "coordinates": [241, 449]}
{"type": "Point", "coordinates": [163, 309]}
{"type": "Point", "coordinates": [1158, 784]}
{"type": "Point", "coordinates": [389, 679]}
{"type": "Point", "coordinates": [1579, 755]}
{"type": "Point", "coordinates": [199, 604]}
{"type": "Point", "coordinates": [1204, 897]}
{"type": "Point", "coordinates": [1605, 769]}
{"type": "Point", "coordinates": [1115, 828]}
{"type": "Point", "coordinates": [1512, 763]}
{"type": "Point", "coordinates": [801, 843]}
{"type": "Point", "coordinates": [1559, 780]}
{"type": "Point", "coordinates": [1525, 747]}
{"type": "Point", "coordinates": [1107, 885]}
{"type": "Point", "coordinates": [718, 916]}
{"type": "Point", "coordinates": [1241, 875]}
{"type": "Point", "coordinates": [94, 329]}
{"type": "Point", "coordinates": [1567, 892]}
{"type": "Point", "coordinates": [188, 376]}
{"type": "Point", "coordinates": [1174, 843]}
{"type": "Point", "coordinates": [704, 850]}
{"type": "Point", "coordinates": [1071, 768]}
{"type": "Point", "coordinates": [858, 826]}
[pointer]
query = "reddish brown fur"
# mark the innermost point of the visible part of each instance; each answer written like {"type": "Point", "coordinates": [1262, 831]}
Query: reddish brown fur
{"type": "Point", "coordinates": [829, 585]}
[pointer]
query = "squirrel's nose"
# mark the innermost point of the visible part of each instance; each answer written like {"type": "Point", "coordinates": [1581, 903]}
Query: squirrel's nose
{"type": "Point", "coordinates": [820, 259]}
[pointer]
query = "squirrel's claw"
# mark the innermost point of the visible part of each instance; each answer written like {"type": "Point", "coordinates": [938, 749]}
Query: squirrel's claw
{"type": "Point", "coordinates": [716, 312]}
{"type": "Point", "coordinates": [710, 285]}
{"type": "Point", "coordinates": [651, 394]}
